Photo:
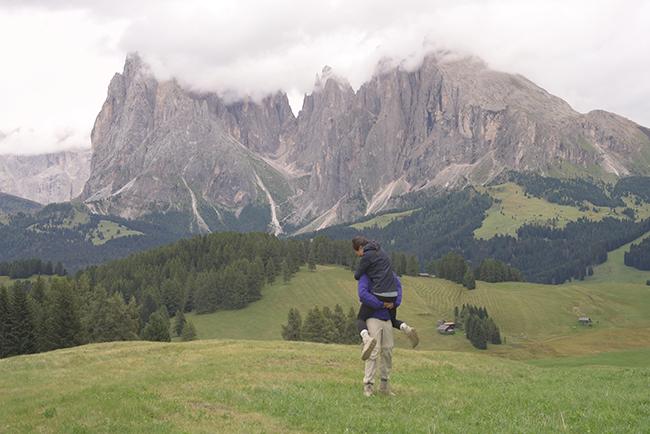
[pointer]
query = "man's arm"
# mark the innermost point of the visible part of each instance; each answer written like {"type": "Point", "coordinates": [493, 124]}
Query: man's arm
{"type": "Point", "coordinates": [362, 267]}
{"type": "Point", "coordinates": [365, 296]}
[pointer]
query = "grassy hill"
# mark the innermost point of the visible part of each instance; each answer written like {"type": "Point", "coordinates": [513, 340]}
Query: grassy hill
{"type": "Point", "coordinates": [537, 320]}
{"type": "Point", "coordinates": [246, 386]}
{"type": "Point", "coordinates": [513, 208]}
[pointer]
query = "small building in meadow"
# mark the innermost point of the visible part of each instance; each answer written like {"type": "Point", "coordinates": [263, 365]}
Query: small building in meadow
{"type": "Point", "coordinates": [585, 320]}
{"type": "Point", "coordinates": [446, 327]}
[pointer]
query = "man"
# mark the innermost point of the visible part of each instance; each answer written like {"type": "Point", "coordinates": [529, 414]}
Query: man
{"type": "Point", "coordinates": [381, 329]}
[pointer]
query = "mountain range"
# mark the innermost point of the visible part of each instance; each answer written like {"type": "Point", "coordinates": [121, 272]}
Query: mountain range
{"type": "Point", "coordinates": [45, 178]}
{"type": "Point", "coordinates": [165, 153]}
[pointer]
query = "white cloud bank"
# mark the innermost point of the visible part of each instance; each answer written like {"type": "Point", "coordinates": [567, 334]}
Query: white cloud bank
{"type": "Point", "coordinates": [592, 53]}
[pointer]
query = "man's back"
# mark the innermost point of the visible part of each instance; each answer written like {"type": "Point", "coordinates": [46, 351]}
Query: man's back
{"type": "Point", "coordinates": [376, 264]}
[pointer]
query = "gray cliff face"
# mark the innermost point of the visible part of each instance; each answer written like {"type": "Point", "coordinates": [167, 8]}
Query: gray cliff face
{"type": "Point", "coordinates": [158, 148]}
{"type": "Point", "coordinates": [45, 178]}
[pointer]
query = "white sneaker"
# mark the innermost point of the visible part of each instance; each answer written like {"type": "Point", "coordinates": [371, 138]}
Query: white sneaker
{"type": "Point", "coordinates": [367, 390]}
{"type": "Point", "coordinates": [368, 345]}
{"type": "Point", "coordinates": [412, 334]}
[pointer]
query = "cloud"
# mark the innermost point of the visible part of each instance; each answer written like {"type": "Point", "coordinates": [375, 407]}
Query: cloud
{"type": "Point", "coordinates": [590, 52]}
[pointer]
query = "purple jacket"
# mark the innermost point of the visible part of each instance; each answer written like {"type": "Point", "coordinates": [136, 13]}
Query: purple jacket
{"type": "Point", "coordinates": [369, 299]}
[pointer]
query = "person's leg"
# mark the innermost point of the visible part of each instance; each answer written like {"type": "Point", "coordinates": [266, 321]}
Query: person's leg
{"type": "Point", "coordinates": [409, 331]}
{"type": "Point", "coordinates": [375, 330]}
{"type": "Point", "coordinates": [365, 312]}
{"type": "Point", "coordinates": [386, 352]}
{"type": "Point", "coordinates": [397, 324]}
{"type": "Point", "coordinates": [369, 342]}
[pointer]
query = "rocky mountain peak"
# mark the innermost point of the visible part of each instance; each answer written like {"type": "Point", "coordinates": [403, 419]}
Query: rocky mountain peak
{"type": "Point", "coordinates": [159, 148]}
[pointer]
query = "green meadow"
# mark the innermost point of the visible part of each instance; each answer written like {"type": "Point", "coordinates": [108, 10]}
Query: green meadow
{"type": "Point", "coordinates": [551, 374]}
{"type": "Point", "coordinates": [537, 321]}
{"type": "Point", "coordinates": [238, 386]}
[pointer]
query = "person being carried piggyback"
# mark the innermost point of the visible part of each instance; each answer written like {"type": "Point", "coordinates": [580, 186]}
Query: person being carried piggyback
{"type": "Point", "coordinates": [376, 264]}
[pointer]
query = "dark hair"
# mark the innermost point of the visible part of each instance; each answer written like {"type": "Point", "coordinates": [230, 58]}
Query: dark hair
{"type": "Point", "coordinates": [359, 241]}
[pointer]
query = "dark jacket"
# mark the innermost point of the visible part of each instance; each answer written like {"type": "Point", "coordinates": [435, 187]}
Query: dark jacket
{"type": "Point", "coordinates": [376, 264]}
{"type": "Point", "coordinates": [368, 298]}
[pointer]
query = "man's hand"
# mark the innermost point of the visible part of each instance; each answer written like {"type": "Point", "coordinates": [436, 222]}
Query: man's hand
{"type": "Point", "coordinates": [388, 305]}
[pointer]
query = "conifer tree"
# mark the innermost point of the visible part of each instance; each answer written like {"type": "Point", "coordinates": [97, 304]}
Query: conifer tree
{"type": "Point", "coordinates": [38, 290]}
{"type": "Point", "coordinates": [189, 332]}
{"type": "Point", "coordinates": [311, 259]}
{"type": "Point", "coordinates": [286, 271]}
{"type": "Point", "coordinates": [468, 279]}
{"type": "Point", "coordinates": [413, 266]}
{"type": "Point", "coordinates": [292, 331]}
{"type": "Point", "coordinates": [179, 322]}
{"type": "Point", "coordinates": [481, 335]}
{"type": "Point", "coordinates": [270, 270]}
{"type": "Point", "coordinates": [330, 330]}
{"type": "Point", "coordinates": [5, 324]}
{"type": "Point", "coordinates": [157, 329]}
{"type": "Point", "coordinates": [149, 305]}
{"type": "Point", "coordinates": [340, 322]}
{"type": "Point", "coordinates": [171, 296]}
{"type": "Point", "coordinates": [21, 338]}
{"type": "Point", "coordinates": [351, 332]}
{"type": "Point", "coordinates": [59, 270]}
{"type": "Point", "coordinates": [65, 326]}
{"type": "Point", "coordinates": [312, 329]}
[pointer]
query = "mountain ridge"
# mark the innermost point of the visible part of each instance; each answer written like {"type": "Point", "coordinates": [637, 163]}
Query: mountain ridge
{"type": "Point", "coordinates": [347, 153]}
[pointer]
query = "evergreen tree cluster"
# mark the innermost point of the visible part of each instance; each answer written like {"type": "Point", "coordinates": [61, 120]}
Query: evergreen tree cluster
{"type": "Point", "coordinates": [479, 327]}
{"type": "Point", "coordinates": [639, 255]}
{"type": "Point", "coordinates": [202, 274]}
{"type": "Point", "coordinates": [404, 264]}
{"type": "Point", "coordinates": [59, 313]}
{"type": "Point", "coordinates": [493, 270]}
{"type": "Point", "coordinates": [23, 268]}
{"type": "Point", "coordinates": [322, 325]}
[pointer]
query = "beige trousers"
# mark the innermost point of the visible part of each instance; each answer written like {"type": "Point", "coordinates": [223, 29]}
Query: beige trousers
{"type": "Point", "coordinates": [383, 332]}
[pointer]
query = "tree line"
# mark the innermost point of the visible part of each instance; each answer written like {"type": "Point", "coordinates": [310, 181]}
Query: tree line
{"type": "Point", "coordinates": [639, 255]}
{"type": "Point", "coordinates": [59, 313]}
{"type": "Point", "coordinates": [454, 267]}
{"type": "Point", "coordinates": [322, 325]}
{"type": "Point", "coordinates": [24, 268]}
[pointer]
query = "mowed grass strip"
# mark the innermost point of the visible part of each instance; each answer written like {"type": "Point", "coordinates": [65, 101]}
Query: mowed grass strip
{"type": "Point", "coordinates": [254, 386]}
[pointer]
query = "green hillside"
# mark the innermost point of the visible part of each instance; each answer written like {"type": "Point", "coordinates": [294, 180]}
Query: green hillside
{"type": "Point", "coordinates": [537, 320]}
{"type": "Point", "coordinates": [512, 209]}
{"type": "Point", "coordinates": [249, 387]}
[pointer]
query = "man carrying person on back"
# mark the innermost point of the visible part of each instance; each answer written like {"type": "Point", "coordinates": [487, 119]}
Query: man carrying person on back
{"type": "Point", "coordinates": [380, 328]}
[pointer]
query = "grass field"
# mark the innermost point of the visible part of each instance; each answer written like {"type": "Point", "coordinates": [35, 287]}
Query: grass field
{"type": "Point", "coordinates": [639, 358]}
{"type": "Point", "coordinates": [537, 320]}
{"type": "Point", "coordinates": [513, 209]}
{"type": "Point", "coordinates": [383, 220]}
{"type": "Point", "coordinates": [108, 230]}
{"type": "Point", "coordinates": [250, 387]}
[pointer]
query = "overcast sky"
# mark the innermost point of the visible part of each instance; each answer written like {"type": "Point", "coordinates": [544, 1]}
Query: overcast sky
{"type": "Point", "coordinates": [58, 56]}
